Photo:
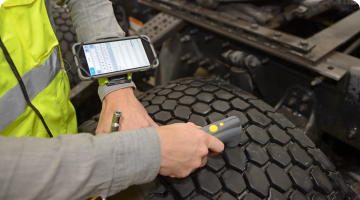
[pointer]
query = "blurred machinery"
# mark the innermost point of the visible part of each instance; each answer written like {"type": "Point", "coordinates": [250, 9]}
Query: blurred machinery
{"type": "Point", "coordinates": [294, 54]}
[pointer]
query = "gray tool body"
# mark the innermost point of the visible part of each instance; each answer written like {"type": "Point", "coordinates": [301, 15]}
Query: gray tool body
{"type": "Point", "coordinates": [227, 130]}
{"type": "Point", "coordinates": [115, 124]}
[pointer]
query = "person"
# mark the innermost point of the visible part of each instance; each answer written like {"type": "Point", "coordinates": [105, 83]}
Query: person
{"type": "Point", "coordinates": [34, 101]}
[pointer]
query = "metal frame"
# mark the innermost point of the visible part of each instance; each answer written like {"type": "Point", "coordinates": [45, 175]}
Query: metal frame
{"type": "Point", "coordinates": [316, 53]}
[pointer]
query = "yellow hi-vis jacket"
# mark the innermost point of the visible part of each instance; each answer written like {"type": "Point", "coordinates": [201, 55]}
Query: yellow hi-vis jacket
{"type": "Point", "coordinates": [27, 34]}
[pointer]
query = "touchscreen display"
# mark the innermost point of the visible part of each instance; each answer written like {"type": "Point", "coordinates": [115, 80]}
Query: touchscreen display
{"type": "Point", "coordinates": [115, 56]}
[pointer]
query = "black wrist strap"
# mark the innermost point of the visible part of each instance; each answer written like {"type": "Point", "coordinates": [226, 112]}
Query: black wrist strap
{"type": "Point", "coordinates": [23, 88]}
{"type": "Point", "coordinates": [120, 79]}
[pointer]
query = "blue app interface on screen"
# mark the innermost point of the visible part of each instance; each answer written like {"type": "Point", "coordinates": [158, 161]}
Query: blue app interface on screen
{"type": "Point", "coordinates": [115, 56]}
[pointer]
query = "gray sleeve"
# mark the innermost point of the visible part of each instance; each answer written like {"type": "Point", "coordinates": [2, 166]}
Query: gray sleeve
{"type": "Point", "coordinates": [77, 166]}
{"type": "Point", "coordinates": [93, 19]}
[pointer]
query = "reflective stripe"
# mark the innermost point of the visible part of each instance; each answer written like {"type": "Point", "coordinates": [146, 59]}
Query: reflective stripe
{"type": "Point", "coordinates": [13, 103]}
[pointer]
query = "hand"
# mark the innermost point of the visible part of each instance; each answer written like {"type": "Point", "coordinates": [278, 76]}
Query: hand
{"type": "Point", "coordinates": [184, 148]}
{"type": "Point", "coordinates": [133, 116]}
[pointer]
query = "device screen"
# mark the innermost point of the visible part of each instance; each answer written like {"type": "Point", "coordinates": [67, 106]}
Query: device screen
{"type": "Point", "coordinates": [115, 56]}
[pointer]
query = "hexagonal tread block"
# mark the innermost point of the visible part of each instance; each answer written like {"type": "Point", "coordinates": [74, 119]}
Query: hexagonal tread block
{"type": "Point", "coordinates": [145, 103]}
{"type": "Point", "coordinates": [183, 187]}
{"type": "Point", "coordinates": [279, 155]}
{"type": "Point", "coordinates": [299, 156]}
{"type": "Point", "coordinates": [139, 97]}
{"type": "Point", "coordinates": [258, 134]}
{"type": "Point", "coordinates": [239, 104]}
{"type": "Point", "coordinates": [235, 158]}
{"type": "Point", "coordinates": [192, 91]}
{"type": "Point", "coordinates": [243, 119]}
{"type": "Point", "coordinates": [258, 118]}
{"type": "Point", "coordinates": [256, 154]}
{"type": "Point", "coordinates": [187, 81]}
{"type": "Point", "coordinates": [296, 195]}
{"type": "Point", "coordinates": [205, 97]}
{"type": "Point", "coordinates": [208, 182]}
{"type": "Point", "coordinates": [201, 108]}
{"type": "Point", "coordinates": [233, 182]}
{"type": "Point", "coordinates": [154, 187]}
{"type": "Point", "coordinates": [155, 91]}
{"type": "Point", "coordinates": [282, 121]}
{"type": "Point", "coordinates": [158, 100]}
{"type": "Point", "coordinates": [215, 163]}
{"type": "Point", "coordinates": [244, 95]}
{"type": "Point", "coordinates": [228, 87]}
{"type": "Point", "coordinates": [213, 117]}
{"type": "Point", "coordinates": [321, 181]}
{"type": "Point", "coordinates": [275, 195]}
{"type": "Point", "coordinates": [169, 105]}
{"type": "Point", "coordinates": [180, 88]}
{"type": "Point", "coordinates": [301, 138]}
{"type": "Point", "coordinates": [165, 92]}
{"type": "Point", "coordinates": [243, 139]}
{"type": "Point", "coordinates": [257, 181]}
{"type": "Point", "coordinates": [209, 88]}
{"type": "Point", "coordinates": [251, 196]}
{"type": "Point", "coordinates": [182, 112]}
{"type": "Point", "coordinates": [175, 95]}
{"type": "Point", "coordinates": [321, 160]}
{"type": "Point", "coordinates": [278, 136]}
{"type": "Point", "coordinates": [152, 109]}
{"type": "Point", "coordinates": [261, 105]}
{"type": "Point", "coordinates": [197, 84]}
{"type": "Point", "coordinates": [172, 85]}
{"type": "Point", "coordinates": [278, 178]}
{"type": "Point", "coordinates": [301, 179]}
{"type": "Point", "coordinates": [198, 120]}
{"type": "Point", "coordinates": [226, 196]}
{"type": "Point", "coordinates": [318, 196]}
{"type": "Point", "coordinates": [220, 106]}
{"type": "Point", "coordinates": [221, 94]}
{"type": "Point", "coordinates": [149, 97]}
{"type": "Point", "coordinates": [163, 116]}
{"type": "Point", "coordinates": [187, 100]}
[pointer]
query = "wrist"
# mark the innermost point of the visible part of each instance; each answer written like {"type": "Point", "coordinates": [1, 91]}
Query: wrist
{"type": "Point", "coordinates": [105, 90]}
{"type": "Point", "coordinates": [121, 93]}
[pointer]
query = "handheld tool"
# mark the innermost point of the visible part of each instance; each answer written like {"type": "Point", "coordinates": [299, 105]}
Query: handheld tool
{"type": "Point", "coordinates": [115, 124]}
{"type": "Point", "coordinates": [227, 130]}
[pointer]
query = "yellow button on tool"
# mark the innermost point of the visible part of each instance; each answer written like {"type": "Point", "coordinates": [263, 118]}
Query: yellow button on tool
{"type": "Point", "coordinates": [213, 128]}
{"type": "Point", "coordinates": [221, 124]}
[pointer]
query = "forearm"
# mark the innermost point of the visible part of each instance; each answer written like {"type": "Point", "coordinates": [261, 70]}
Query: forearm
{"type": "Point", "coordinates": [93, 19]}
{"type": "Point", "coordinates": [77, 166]}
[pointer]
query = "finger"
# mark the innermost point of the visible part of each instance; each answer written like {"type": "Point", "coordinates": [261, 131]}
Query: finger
{"type": "Point", "coordinates": [199, 127]}
{"type": "Point", "coordinates": [215, 144]}
{"type": "Point", "coordinates": [213, 153]}
{"type": "Point", "coordinates": [203, 161]}
{"type": "Point", "coordinates": [191, 124]}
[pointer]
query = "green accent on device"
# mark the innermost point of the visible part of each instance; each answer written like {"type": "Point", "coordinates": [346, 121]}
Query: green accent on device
{"type": "Point", "coordinates": [227, 130]}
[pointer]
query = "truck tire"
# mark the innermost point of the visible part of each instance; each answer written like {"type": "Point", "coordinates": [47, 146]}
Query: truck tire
{"type": "Point", "coordinates": [273, 160]}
